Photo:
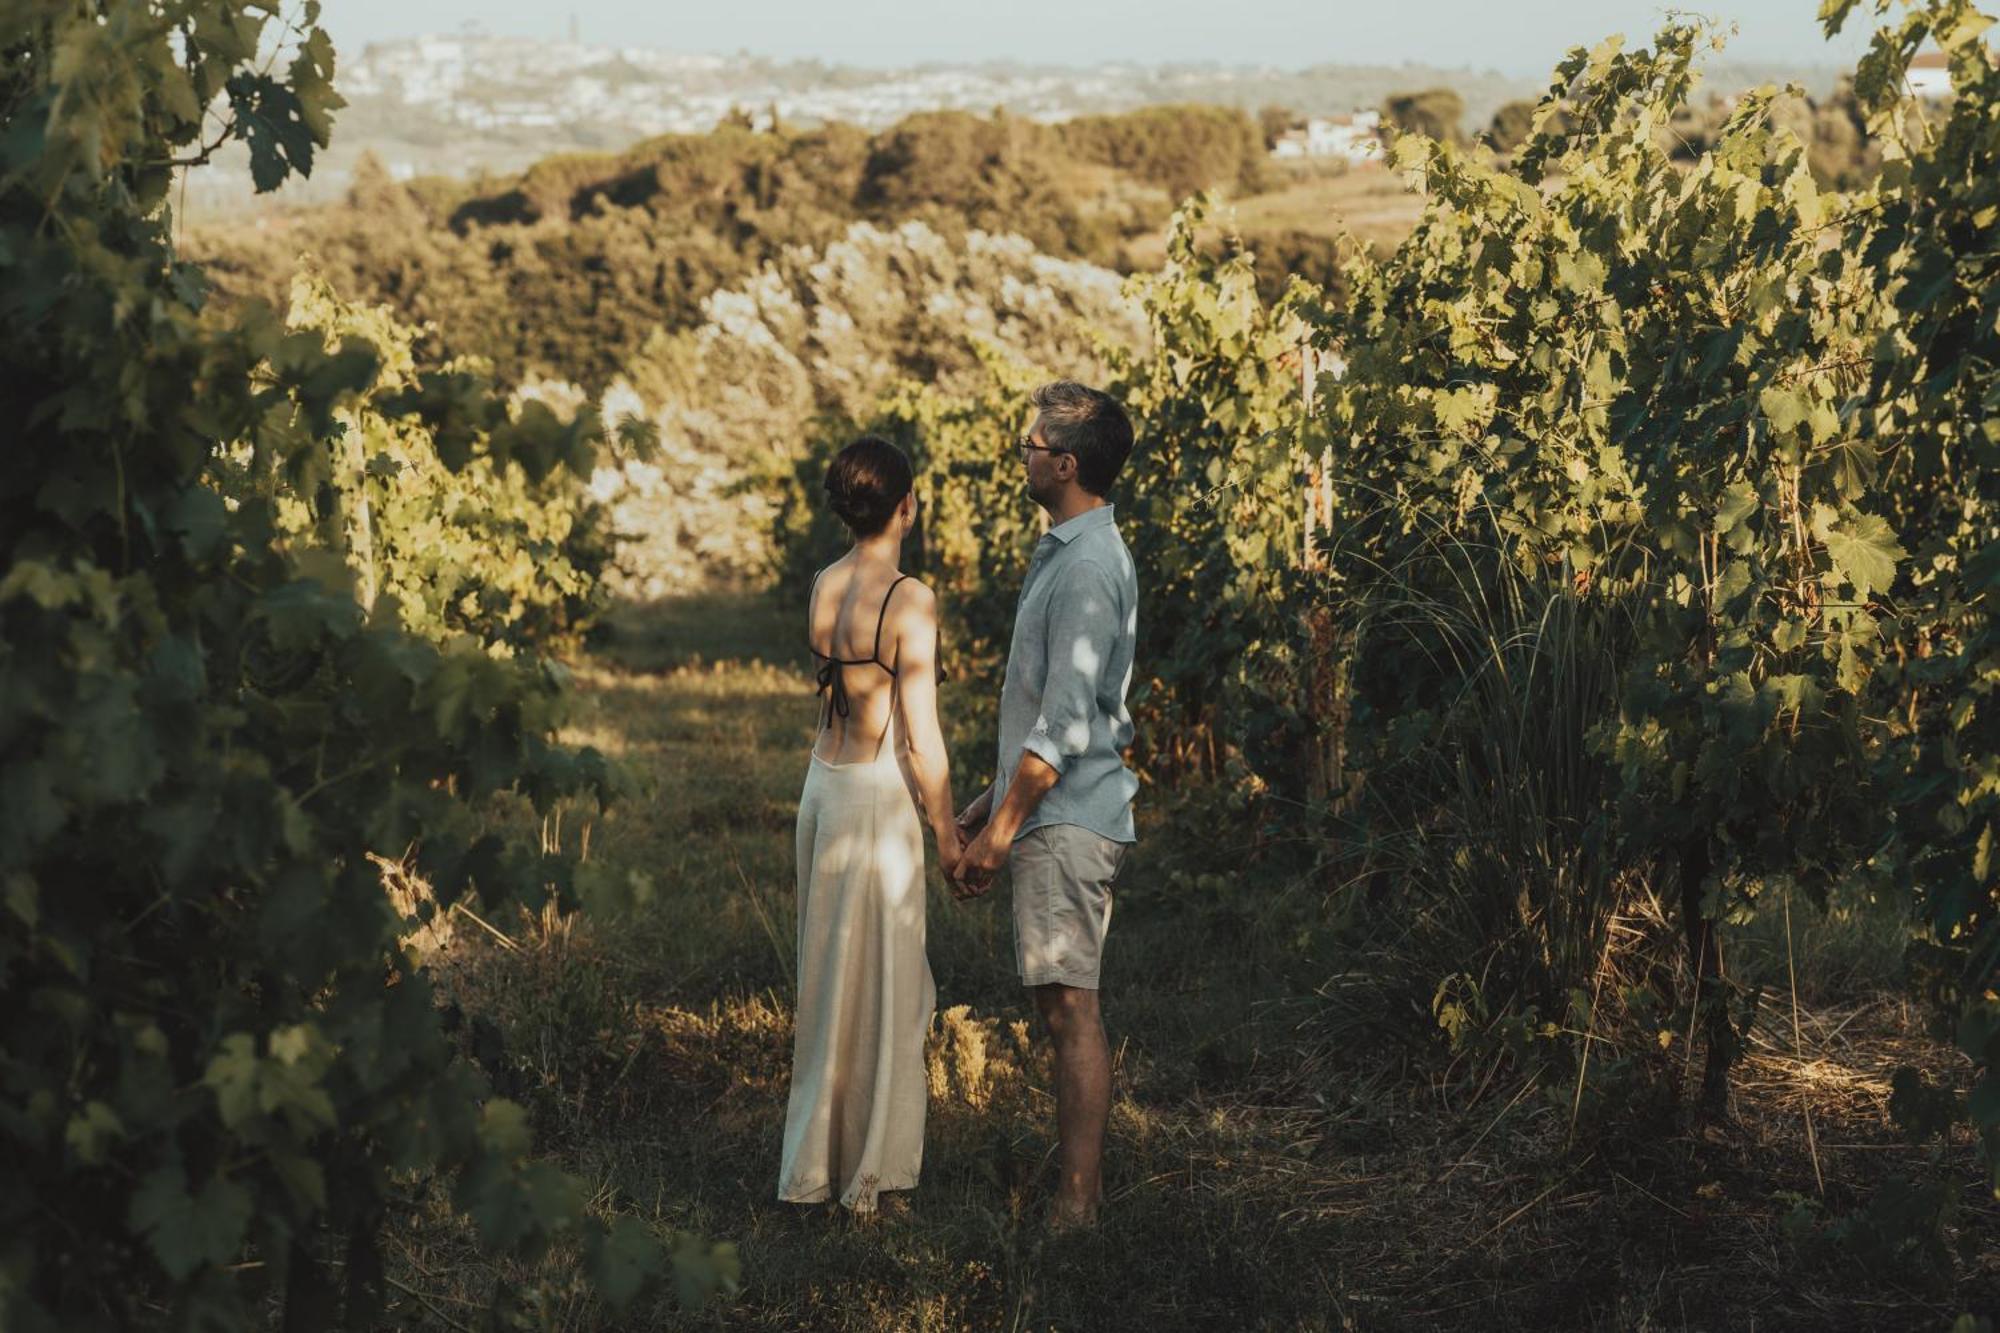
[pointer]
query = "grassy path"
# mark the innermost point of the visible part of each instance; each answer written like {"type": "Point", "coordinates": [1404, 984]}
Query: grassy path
{"type": "Point", "coordinates": [709, 969]}
{"type": "Point", "coordinates": [1278, 1158]}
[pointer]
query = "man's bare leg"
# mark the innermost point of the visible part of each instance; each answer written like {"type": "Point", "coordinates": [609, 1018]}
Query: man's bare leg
{"type": "Point", "coordinates": [1083, 1096]}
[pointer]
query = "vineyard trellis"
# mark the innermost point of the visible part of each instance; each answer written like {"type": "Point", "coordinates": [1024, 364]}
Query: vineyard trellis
{"type": "Point", "coordinates": [1718, 446]}
{"type": "Point", "coordinates": [1750, 422]}
{"type": "Point", "coordinates": [222, 1078]}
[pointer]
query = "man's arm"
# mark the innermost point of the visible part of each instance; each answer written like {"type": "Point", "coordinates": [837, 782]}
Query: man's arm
{"type": "Point", "coordinates": [1083, 627]}
{"type": "Point", "coordinates": [973, 818]}
{"type": "Point", "coordinates": [1034, 777]}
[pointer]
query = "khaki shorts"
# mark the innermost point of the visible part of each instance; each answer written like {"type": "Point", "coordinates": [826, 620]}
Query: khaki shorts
{"type": "Point", "coordinates": [1062, 875]}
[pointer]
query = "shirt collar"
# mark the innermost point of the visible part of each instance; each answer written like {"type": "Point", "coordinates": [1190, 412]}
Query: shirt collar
{"type": "Point", "coordinates": [1069, 531]}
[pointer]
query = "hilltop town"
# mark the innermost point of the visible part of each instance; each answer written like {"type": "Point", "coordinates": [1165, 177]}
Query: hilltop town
{"type": "Point", "coordinates": [471, 102]}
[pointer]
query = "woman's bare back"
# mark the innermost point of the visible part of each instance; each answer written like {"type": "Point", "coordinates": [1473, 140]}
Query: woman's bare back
{"type": "Point", "coordinates": [851, 627]}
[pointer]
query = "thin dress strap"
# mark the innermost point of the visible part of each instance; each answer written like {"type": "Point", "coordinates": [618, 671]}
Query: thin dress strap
{"type": "Point", "coordinates": [880, 617]}
{"type": "Point", "coordinates": [831, 682]}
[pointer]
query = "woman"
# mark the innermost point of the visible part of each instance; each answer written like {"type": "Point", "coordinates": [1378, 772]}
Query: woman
{"type": "Point", "coordinates": [854, 1125]}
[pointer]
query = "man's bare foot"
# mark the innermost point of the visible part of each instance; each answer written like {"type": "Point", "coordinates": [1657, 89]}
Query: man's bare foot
{"type": "Point", "coordinates": [1065, 1216]}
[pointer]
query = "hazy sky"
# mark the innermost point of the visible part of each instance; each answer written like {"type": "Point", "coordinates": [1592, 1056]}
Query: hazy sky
{"type": "Point", "coordinates": [1519, 37]}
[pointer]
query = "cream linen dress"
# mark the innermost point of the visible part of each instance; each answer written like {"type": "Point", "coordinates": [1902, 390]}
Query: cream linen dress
{"type": "Point", "coordinates": [854, 1124]}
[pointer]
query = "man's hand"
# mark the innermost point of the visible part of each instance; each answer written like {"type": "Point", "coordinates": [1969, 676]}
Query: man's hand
{"type": "Point", "coordinates": [980, 865]}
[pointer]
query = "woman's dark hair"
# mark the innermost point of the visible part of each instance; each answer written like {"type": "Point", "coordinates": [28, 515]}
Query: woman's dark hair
{"type": "Point", "coordinates": [865, 482]}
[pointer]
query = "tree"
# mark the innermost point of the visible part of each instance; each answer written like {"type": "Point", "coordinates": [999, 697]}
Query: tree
{"type": "Point", "coordinates": [1435, 113]}
{"type": "Point", "coordinates": [1275, 121]}
{"type": "Point", "coordinates": [1182, 149]}
{"type": "Point", "coordinates": [1512, 124]}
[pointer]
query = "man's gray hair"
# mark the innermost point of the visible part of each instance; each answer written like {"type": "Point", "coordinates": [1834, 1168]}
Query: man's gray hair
{"type": "Point", "coordinates": [1089, 424]}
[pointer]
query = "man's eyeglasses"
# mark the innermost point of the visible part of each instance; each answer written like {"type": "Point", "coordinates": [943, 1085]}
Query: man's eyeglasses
{"type": "Point", "coordinates": [1026, 445]}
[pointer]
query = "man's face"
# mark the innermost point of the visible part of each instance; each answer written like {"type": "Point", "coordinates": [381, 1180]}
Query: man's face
{"type": "Point", "coordinates": [1041, 467]}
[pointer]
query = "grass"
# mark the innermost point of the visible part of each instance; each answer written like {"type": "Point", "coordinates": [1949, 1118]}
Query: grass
{"type": "Point", "coordinates": [1369, 202]}
{"type": "Point", "coordinates": [1287, 1148]}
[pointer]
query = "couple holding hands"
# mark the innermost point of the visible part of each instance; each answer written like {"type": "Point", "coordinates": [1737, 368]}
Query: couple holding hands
{"type": "Point", "coordinates": [1057, 816]}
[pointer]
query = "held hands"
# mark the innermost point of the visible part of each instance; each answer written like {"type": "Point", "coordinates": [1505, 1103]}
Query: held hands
{"type": "Point", "coordinates": [980, 863]}
{"type": "Point", "coordinates": [971, 880]}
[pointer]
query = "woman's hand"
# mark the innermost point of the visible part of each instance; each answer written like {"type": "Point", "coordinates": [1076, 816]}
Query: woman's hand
{"type": "Point", "coordinates": [951, 846]}
{"type": "Point", "coordinates": [980, 862]}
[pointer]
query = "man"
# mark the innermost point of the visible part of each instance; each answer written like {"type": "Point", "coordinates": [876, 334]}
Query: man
{"type": "Point", "coordinates": [1059, 811]}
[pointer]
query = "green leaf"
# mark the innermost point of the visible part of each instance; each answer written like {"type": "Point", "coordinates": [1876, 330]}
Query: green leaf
{"type": "Point", "coordinates": [304, 1178]}
{"type": "Point", "coordinates": [232, 1077]}
{"type": "Point", "coordinates": [1581, 271]}
{"type": "Point", "coordinates": [312, 83]}
{"type": "Point", "coordinates": [624, 1260]}
{"type": "Point", "coordinates": [301, 612]}
{"type": "Point", "coordinates": [1459, 410]}
{"type": "Point", "coordinates": [703, 1268]}
{"type": "Point", "coordinates": [1864, 551]}
{"type": "Point", "coordinates": [518, 1207]}
{"type": "Point", "coordinates": [92, 1130]}
{"type": "Point", "coordinates": [1853, 464]}
{"type": "Point", "coordinates": [1982, 1106]}
{"type": "Point", "coordinates": [22, 897]}
{"type": "Point", "coordinates": [1739, 501]}
{"type": "Point", "coordinates": [1833, 14]}
{"type": "Point", "coordinates": [201, 519]}
{"type": "Point", "coordinates": [503, 1129]}
{"type": "Point", "coordinates": [30, 810]}
{"type": "Point", "coordinates": [1785, 409]}
{"type": "Point", "coordinates": [190, 1232]}
{"type": "Point", "coordinates": [47, 586]}
{"type": "Point", "coordinates": [1965, 28]}
{"type": "Point", "coordinates": [271, 122]}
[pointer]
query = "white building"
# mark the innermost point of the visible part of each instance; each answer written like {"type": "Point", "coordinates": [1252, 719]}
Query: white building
{"type": "Point", "coordinates": [1356, 138]}
{"type": "Point", "coordinates": [1930, 75]}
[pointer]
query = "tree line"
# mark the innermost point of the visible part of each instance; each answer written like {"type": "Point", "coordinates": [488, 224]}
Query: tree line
{"type": "Point", "coordinates": [606, 248]}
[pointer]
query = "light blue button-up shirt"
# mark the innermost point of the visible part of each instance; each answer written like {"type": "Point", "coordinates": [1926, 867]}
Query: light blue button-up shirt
{"type": "Point", "coordinates": [1068, 669]}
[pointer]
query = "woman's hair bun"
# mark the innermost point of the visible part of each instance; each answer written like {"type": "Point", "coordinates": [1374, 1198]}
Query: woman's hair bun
{"type": "Point", "coordinates": [865, 482]}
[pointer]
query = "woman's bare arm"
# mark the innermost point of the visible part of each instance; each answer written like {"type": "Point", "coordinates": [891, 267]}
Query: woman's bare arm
{"type": "Point", "coordinates": [916, 700]}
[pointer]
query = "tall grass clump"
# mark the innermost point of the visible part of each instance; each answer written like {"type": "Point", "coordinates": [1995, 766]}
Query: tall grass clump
{"type": "Point", "coordinates": [1482, 801]}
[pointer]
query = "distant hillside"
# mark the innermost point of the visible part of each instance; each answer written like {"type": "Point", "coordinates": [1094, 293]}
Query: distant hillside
{"type": "Point", "coordinates": [566, 267]}
{"type": "Point", "coordinates": [566, 264]}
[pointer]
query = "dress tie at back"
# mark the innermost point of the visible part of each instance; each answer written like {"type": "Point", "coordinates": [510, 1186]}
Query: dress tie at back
{"type": "Point", "coordinates": [833, 688]}
{"type": "Point", "coordinates": [832, 684]}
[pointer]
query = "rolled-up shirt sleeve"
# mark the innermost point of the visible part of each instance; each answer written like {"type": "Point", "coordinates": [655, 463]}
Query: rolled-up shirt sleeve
{"type": "Point", "coordinates": [1083, 624]}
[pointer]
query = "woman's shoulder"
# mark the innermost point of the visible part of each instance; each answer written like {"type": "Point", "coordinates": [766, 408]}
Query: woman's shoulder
{"type": "Point", "coordinates": [912, 593]}
{"type": "Point", "coordinates": [833, 578]}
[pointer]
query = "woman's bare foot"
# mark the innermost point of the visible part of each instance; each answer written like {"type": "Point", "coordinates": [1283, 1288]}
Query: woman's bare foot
{"type": "Point", "coordinates": [886, 1208]}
